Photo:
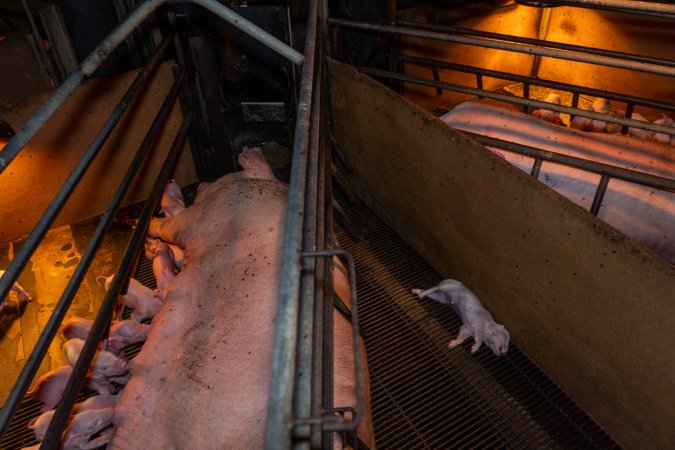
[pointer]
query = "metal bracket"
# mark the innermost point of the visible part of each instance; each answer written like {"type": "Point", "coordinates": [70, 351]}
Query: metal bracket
{"type": "Point", "coordinates": [333, 423]}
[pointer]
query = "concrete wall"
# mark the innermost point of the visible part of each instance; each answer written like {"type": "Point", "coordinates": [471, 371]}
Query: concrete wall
{"type": "Point", "coordinates": [592, 309]}
{"type": "Point", "coordinates": [34, 177]}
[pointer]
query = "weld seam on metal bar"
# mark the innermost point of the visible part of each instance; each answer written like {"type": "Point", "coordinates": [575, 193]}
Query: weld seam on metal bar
{"type": "Point", "coordinates": [61, 308]}
{"type": "Point", "coordinates": [518, 48]}
{"type": "Point", "coordinates": [520, 101]}
{"type": "Point", "coordinates": [32, 241]}
{"type": "Point", "coordinates": [278, 432]}
{"type": "Point", "coordinates": [540, 82]}
{"type": "Point", "coordinates": [592, 166]}
{"type": "Point", "coordinates": [52, 439]}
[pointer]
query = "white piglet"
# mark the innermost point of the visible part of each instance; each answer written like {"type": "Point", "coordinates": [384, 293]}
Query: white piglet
{"type": "Point", "coordinates": [140, 298]}
{"type": "Point", "coordinates": [476, 320]}
{"type": "Point", "coordinates": [172, 199]}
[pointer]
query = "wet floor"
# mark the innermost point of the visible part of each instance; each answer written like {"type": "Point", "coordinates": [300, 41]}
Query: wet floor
{"type": "Point", "coordinates": [44, 278]}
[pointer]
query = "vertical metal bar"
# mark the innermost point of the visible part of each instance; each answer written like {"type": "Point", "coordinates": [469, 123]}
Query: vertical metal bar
{"type": "Point", "coordinates": [52, 439]}
{"type": "Point", "coordinates": [479, 81]}
{"type": "Point", "coordinates": [536, 167]}
{"type": "Point", "coordinates": [526, 94]}
{"type": "Point", "coordinates": [437, 77]}
{"type": "Point", "coordinates": [277, 435]}
{"type": "Point", "coordinates": [42, 55]}
{"type": "Point", "coordinates": [21, 258]}
{"type": "Point", "coordinates": [305, 335]}
{"type": "Point", "coordinates": [629, 114]}
{"type": "Point", "coordinates": [42, 345]}
{"type": "Point", "coordinates": [599, 194]}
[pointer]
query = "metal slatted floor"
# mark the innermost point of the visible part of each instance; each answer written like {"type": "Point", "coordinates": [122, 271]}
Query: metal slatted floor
{"type": "Point", "coordinates": [426, 395]}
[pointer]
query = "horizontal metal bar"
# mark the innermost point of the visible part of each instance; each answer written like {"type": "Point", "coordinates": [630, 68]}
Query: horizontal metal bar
{"type": "Point", "coordinates": [541, 82]}
{"type": "Point", "coordinates": [640, 7]}
{"type": "Point", "coordinates": [538, 42]}
{"type": "Point", "coordinates": [518, 48]}
{"type": "Point", "coordinates": [591, 166]}
{"type": "Point", "coordinates": [521, 101]}
{"type": "Point", "coordinates": [54, 208]}
{"type": "Point", "coordinates": [49, 331]}
{"type": "Point", "coordinates": [52, 439]}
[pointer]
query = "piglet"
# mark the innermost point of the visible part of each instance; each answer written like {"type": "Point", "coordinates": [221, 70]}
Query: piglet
{"type": "Point", "coordinates": [545, 114]}
{"type": "Point", "coordinates": [138, 297]}
{"type": "Point", "coordinates": [639, 132]}
{"type": "Point", "coordinates": [40, 424]}
{"type": "Point", "coordinates": [16, 287]}
{"type": "Point", "coordinates": [172, 199]}
{"type": "Point", "coordinates": [76, 327]}
{"type": "Point", "coordinates": [85, 425]}
{"type": "Point", "coordinates": [600, 105]}
{"type": "Point", "coordinates": [151, 248]}
{"type": "Point", "coordinates": [126, 332]}
{"type": "Point", "coordinates": [106, 366]}
{"type": "Point", "coordinates": [50, 386]}
{"type": "Point", "coordinates": [662, 137]}
{"type": "Point", "coordinates": [476, 320]}
{"type": "Point", "coordinates": [163, 264]}
{"type": "Point", "coordinates": [96, 402]}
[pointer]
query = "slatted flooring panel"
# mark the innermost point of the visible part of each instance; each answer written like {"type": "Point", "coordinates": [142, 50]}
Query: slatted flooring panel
{"type": "Point", "coordinates": [428, 396]}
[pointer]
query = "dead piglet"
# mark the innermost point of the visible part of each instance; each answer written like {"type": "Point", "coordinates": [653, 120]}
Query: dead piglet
{"type": "Point", "coordinates": [138, 297]}
{"type": "Point", "coordinates": [85, 425]}
{"type": "Point", "coordinates": [476, 320]}
{"type": "Point", "coordinates": [172, 199]}
{"type": "Point", "coordinates": [50, 386]}
{"type": "Point", "coordinates": [124, 333]}
{"type": "Point", "coordinates": [105, 369]}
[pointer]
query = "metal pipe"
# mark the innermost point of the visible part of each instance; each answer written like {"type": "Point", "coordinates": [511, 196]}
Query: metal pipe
{"type": "Point", "coordinates": [43, 61]}
{"type": "Point", "coordinates": [519, 48]}
{"type": "Point", "coordinates": [24, 253]}
{"type": "Point", "coordinates": [52, 439]}
{"type": "Point", "coordinates": [305, 335]}
{"type": "Point", "coordinates": [599, 194]}
{"type": "Point", "coordinates": [539, 42]}
{"type": "Point", "coordinates": [42, 345]}
{"type": "Point", "coordinates": [521, 101]}
{"type": "Point", "coordinates": [629, 99]}
{"type": "Point", "coordinates": [591, 166]}
{"type": "Point", "coordinates": [277, 434]}
{"type": "Point", "coordinates": [640, 7]}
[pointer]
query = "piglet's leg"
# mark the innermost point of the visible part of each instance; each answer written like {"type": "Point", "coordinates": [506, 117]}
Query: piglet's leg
{"type": "Point", "coordinates": [464, 333]}
{"type": "Point", "coordinates": [478, 339]}
{"type": "Point", "coordinates": [254, 164]}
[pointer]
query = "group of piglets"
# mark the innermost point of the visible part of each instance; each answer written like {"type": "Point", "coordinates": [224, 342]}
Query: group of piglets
{"type": "Point", "coordinates": [603, 106]}
{"type": "Point", "coordinates": [90, 425]}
